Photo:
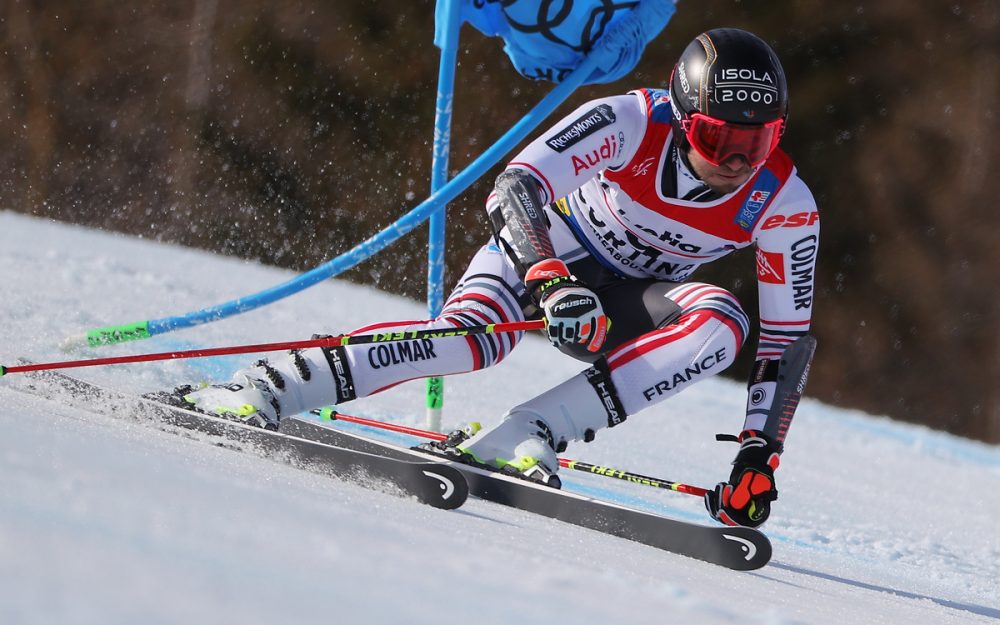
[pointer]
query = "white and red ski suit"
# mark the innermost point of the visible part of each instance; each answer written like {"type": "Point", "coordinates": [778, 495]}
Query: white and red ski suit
{"type": "Point", "coordinates": [612, 180]}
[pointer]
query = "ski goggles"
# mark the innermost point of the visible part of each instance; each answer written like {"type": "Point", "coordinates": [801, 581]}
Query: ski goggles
{"type": "Point", "coordinates": [718, 140]}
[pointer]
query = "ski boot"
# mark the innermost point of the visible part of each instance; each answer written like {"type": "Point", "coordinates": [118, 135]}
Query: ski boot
{"type": "Point", "coordinates": [262, 394]}
{"type": "Point", "coordinates": [526, 441]}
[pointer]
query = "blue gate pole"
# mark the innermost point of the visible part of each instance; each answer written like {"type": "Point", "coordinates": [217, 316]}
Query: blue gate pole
{"type": "Point", "coordinates": [439, 176]}
{"type": "Point", "coordinates": [656, 12]}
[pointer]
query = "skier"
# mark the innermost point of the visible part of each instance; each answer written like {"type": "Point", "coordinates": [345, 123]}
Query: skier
{"type": "Point", "coordinates": [599, 224]}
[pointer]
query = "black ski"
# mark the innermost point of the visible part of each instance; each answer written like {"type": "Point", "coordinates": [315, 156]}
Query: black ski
{"type": "Point", "coordinates": [432, 482]}
{"type": "Point", "coordinates": [739, 548]}
{"type": "Point", "coordinates": [426, 476]}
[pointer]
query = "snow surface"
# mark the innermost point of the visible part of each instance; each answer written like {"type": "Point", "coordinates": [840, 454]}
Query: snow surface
{"type": "Point", "coordinates": [103, 521]}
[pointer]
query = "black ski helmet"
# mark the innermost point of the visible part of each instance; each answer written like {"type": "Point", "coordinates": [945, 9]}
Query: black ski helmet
{"type": "Point", "coordinates": [731, 75]}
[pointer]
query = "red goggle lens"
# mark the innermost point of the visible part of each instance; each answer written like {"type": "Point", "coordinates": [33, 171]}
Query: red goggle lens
{"type": "Point", "coordinates": [718, 141]}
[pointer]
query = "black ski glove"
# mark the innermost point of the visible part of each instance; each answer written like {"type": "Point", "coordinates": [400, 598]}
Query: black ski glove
{"type": "Point", "coordinates": [746, 498]}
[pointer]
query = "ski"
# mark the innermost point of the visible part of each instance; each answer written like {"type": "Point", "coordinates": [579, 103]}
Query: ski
{"type": "Point", "coordinates": [432, 479]}
{"type": "Point", "coordinates": [431, 482]}
{"type": "Point", "coordinates": [738, 548]}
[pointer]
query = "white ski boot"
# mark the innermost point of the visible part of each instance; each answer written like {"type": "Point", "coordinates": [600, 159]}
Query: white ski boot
{"type": "Point", "coordinates": [261, 394]}
{"type": "Point", "coordinates": [525, 442]}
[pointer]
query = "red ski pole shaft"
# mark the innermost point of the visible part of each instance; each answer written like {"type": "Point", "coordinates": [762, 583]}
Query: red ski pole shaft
{"type": "Point", "coordinates": [330, 414]}
{"type": "Point", "coordinates": [330, 341]}
{"type": "Point", "coordinates": [577, 465]}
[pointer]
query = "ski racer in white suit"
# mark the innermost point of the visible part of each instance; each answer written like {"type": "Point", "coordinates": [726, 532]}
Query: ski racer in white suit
{"type": "Point", "coordinates": [599, 224]}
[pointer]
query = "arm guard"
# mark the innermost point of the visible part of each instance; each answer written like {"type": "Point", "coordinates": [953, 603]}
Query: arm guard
{"type": "Point", "coordinates": [519, 211]}
{"type": "Point", "coordinates": [788, 377]}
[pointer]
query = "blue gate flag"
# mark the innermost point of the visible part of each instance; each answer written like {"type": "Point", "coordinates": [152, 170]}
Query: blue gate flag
{"type": "Point", "coordinates": [547, 39]}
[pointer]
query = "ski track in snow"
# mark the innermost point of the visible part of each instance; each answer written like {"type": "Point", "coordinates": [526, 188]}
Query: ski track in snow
{"type": "Point", "coordinates": [103, 521]}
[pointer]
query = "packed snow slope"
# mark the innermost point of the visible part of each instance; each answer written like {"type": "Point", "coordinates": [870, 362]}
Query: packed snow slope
{"type": "Point", "coordinates": [113, 522]}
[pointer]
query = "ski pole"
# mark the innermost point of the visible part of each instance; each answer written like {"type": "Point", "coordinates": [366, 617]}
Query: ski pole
{"type": "Point", "coordinates": [331, 414]}
{"type": "Point", "coordinates": [330, 341]}
{"type": "Point", "coordinates": [634, 478]}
